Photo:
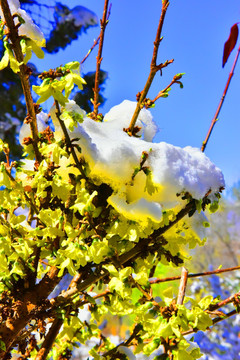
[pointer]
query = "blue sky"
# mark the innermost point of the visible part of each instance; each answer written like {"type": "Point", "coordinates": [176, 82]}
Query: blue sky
{"type": "Point", "coordinates": [194, 35]}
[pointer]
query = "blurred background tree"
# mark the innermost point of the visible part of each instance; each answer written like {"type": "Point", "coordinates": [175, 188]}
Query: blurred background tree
{"type": "Point", "coordinates": [61, 25]}
{"type": "Point", "coordinates": [222, 246]}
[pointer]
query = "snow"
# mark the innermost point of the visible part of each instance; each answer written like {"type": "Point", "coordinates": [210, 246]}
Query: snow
{"type": "Point", "coordinates": [28, 29]}
{"type": "Point", "coordinates": [128, 352]}
{"type": "Point", "coordinates": [139, 209]}
{"type": "Point", "coordinates": [42, 120]}
{"type": "Point", "coordinates": [126, 110]}
{"type": "Point", "coordinates": [84, 314]}
{"type": "Point", "coordinates": [113, 156]}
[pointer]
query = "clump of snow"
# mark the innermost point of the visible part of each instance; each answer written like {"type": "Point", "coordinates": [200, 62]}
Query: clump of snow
{"type": "Point", "coordinates": [28, 29]}
{"type": "Point", "coordinates": [120, 117]}
{"type": "Point", "coordinates": [113, 155]}
{"type": "Point", "coordinates": [42, 123]}
{"type": "Point", "coordinates": [71, 106]}
{"type": "Point", "coordinates": [142, 208]}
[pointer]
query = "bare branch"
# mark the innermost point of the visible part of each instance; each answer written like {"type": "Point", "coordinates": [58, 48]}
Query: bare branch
{"type": "Point", "coordinates": [153, 68]}
{"type": "Point", "coordinates": [207, 273]}
{"type": "Point", "coordinates": [162, 93]}
{"type": "Point", "coordinates": [230, 299]}
{"type": "Point", "coordinates": [182, 286]}
{"type": "Point", "coordinates": [95, 41]}
{"type": "Point", "coordinates": [15, 40]}
{"type": "Point", "coordinates": [228, 315]}
{"type": "Point", "coordinates": [215, 118]}
{"type": "Point", "coordinates": [49, 340]}
{"type": "Point", "coordinates": [103, 22]}
{"type": "Point", "coordinates": [90, 50]}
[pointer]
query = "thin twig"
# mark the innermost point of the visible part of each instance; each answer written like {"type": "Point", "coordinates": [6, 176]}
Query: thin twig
{"type": "Point", "coordinates": [207, 273]}
{"type": "Point", "coordinates": [44, 262]}
{"type": "Point", "coordinates": [215, 118]}
{"type": "Point", "coordinates": [27, 198]}
{"type": "Point", "coordinates": [15, 41]}
{"type": "Point", "coordinates": [162, 93]}
{"type": "Point", "coordinates": [81, 302]}
{"type": "Point", "coordinates": [214, 321]}
{"type": "Point", "coordinates": [103, 22]}
{"type": "Point", "coordinates": [182, 286]}
{"type": "Point", "coordinates": [228, 315]}
{"type": "Point", "coordinates": [75, 280]}
{"type": "Point", "coordinates": [147, 295]}
{"type": "Point", "coordinates": [95, 41]}
{"type": "Point", "coordinates": [222, 303]}
{"type": "Point", "coordinates": [153, 68]}
{"type": "Point", "coordinates": [68, 140]}
{"type": "Point", "coordinates": [90, 50]}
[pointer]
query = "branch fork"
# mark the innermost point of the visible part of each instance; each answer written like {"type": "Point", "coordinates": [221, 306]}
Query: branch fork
{"type": "Point", "coordinates": [154, 68]}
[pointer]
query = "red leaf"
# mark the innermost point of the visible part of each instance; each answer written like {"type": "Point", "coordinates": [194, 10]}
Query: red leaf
{"type": "Point", "coordinates": [230, 43]}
